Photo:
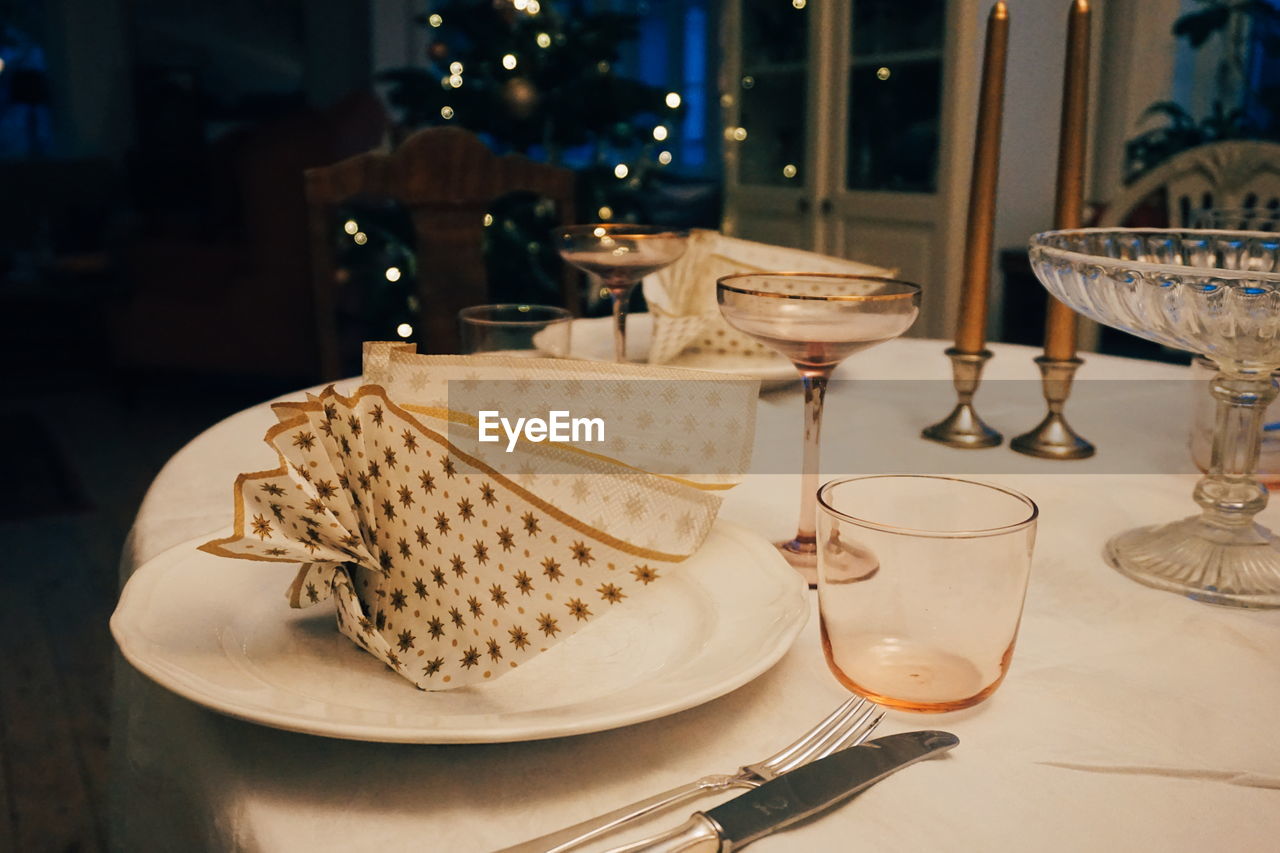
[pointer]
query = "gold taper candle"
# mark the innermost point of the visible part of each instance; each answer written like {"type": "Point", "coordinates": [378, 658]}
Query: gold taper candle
{"type": "Point", "coordinates": [1061, 322]}
{"type": "Point", "coordinates": [971, 330]}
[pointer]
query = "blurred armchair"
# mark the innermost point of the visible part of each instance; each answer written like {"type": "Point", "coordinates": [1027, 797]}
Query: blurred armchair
{"type": "Point", "coordinates": [231, 294]}
{"type": "Point", "coordinates": [445, 178]}
{"type": "Point", "coordinates": [1235, 174]}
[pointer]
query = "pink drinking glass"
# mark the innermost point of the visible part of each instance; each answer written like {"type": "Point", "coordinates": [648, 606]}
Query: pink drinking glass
{"type": "Point", "coordinates": [921, 586]}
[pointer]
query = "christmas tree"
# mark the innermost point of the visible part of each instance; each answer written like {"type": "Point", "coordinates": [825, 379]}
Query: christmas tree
{"type": "Point", "coordinates": [540, 80]}
{"type": "Point", "coordinates": [533, 77]}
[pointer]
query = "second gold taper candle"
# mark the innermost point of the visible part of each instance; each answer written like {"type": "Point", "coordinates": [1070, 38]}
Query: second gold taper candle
{"type": "Point", "coordinates": [1061, 322]}
{"type": "Point", "coordinates": [971, 331]}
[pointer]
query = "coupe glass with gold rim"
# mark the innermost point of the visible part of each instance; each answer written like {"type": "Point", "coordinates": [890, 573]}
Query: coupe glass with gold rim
{"type": "Point", "coordinates": [816, 320]}
{"type": "Point", "coordinates": [1215, 293]}
{"type": "Point", "coordinates": [619, 256]}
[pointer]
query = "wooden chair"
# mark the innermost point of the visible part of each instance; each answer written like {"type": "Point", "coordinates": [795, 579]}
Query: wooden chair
{"type": "Point", "coordinates": [1230, 175]}
{"type": "Point", "coordinates": [445, 178]}
{"type": "Point", "coordinates": [228, 291]}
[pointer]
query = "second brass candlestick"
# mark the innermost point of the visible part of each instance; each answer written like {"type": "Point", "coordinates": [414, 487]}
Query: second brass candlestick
{"type": "Point", "coordinates": [1054, 438]}
{"type": "Point", "coordinates": [963, 427]}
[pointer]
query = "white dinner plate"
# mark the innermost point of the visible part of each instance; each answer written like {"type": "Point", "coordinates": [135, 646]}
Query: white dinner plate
{"type": "Point", "coordinates": [219, 632]}
{"type": "Point", "coordinates": [593, 341]}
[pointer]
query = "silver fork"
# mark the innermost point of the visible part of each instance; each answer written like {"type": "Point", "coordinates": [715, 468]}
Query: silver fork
{"type": "Point", "coordinates": [848, 725]}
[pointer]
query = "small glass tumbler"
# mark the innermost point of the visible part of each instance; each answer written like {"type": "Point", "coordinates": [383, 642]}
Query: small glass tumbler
{"type": "Point", "coordinates": [516, 330]}
{"type": "Point", "coordinates": [921, 581]}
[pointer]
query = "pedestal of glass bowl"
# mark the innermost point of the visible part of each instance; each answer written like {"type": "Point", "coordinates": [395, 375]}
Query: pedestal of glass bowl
{"type": "Point", "coordinates": [1216, 293]}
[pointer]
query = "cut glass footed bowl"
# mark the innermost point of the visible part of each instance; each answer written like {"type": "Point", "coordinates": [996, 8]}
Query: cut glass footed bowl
{"type": "Point", "coordinates": [1216, 293]}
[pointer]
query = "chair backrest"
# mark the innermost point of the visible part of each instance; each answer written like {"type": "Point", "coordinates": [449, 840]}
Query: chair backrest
{"type": "Point", "coordinates": [1236, 174]}
{"type": "Point", "coordinates": [445, 178]}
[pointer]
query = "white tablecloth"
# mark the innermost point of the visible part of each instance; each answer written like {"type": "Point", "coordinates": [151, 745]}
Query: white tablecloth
{"type": "Point", "coordinates": [1131, 719]}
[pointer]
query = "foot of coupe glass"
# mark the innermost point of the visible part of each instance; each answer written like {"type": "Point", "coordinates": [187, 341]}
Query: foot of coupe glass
{"type": "Point", "coordinates": [801, 553]}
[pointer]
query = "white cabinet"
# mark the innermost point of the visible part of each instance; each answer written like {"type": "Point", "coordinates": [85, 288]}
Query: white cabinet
{"type": "Point", "coordinates": [849, 131]}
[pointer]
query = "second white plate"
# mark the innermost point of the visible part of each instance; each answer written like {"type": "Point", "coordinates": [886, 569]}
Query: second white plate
{"type": "Point", "coordinates": [219, 632]}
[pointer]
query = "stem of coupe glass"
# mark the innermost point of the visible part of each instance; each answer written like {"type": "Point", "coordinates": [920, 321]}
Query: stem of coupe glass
{"type": "Point", "coordinates": [619, 322]}
{"type": "Point", "coordinates": [619, 288]}
{"type": "Point", "coordinates": [1230, 494]}
{"type": "Point", "coordinates": [815, 390]}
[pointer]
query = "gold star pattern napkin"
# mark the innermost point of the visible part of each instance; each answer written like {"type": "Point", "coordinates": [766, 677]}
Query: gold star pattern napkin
{"type": "Point", "coordinates": [682, 296]}
{"type": "Point", "coordinates": [442, 566]}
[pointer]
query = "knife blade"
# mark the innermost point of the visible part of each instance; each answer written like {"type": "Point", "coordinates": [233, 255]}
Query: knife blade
{"type": "Point", "coordinates": [796, 795]}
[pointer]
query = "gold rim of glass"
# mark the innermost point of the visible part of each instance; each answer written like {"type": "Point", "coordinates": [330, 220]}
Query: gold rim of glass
{"type": "Point", "coordinates": [621, 229]}
{"type": "Point", "coordinates": [931, 534]}
{"type": "Point", "coordinates": [552, 314]}
{"type": "Point", "coordinates": [1040, 242]}
{"type": "Point", "coordinates": [910, 290]}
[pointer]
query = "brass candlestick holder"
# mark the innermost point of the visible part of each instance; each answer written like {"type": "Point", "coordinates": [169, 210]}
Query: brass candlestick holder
{"type": "Point", "coordinates": [963, 427]}
{"type": "Point", "coordinates": [1054, 438]}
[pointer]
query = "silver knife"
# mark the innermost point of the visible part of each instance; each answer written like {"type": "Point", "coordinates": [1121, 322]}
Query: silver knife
{"type": "Point", "coordinates": [795, 796]}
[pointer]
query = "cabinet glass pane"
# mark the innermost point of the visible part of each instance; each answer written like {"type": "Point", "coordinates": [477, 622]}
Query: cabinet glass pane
{"type": "Point", "coordinates": [771, 133]}
{"type": "Point", "coordinates": [895, 94]}
{"type": "Point", "coordinates": [893, 126]}
{"type": "Point", "coordinates": [882, 26]}
{"type": "Point", "coordinates": [774, 31]}
{"type": "Point", "coordinates": [772, 93]}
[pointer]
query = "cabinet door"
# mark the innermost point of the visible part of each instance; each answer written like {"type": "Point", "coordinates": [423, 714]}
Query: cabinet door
{"type": "Point", "coordinates": [848, 130]}
{"type": "Point", "coordinates": [893, 103]}
{"type": "Point", "coordinates": [886, 201]}
{"type": "Point", "coordinates": [771, 64]}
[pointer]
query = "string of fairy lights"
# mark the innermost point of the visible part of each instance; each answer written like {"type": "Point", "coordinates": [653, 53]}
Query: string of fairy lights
{"type": "Point", "coordinates": [544, 40]}
{"type": "Point", "coordinates": [736, 133]}
{"type": "Point", "coordinates": [517, 71]}
{"type": "Point", "coordinates": [548, 39]}
{"type": "Point", "coordinates": [392, 272]}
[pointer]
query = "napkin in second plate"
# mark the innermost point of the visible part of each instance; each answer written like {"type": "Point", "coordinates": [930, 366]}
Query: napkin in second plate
{"type": "Point", "coordinates": [448, 568]}
{"type": "Point", "coordinates": [693, 426]}
{"type": "Point", "coordinates": [682, 297]}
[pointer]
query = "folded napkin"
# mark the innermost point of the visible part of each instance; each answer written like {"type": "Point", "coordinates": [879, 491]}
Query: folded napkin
{"type": "Point", "coordinates": [453, 560]}
{"type": "Point", "coordinates": [682, 297]}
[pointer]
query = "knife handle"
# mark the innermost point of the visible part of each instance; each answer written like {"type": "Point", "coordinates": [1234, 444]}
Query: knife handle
{"type": "Point", "coordinates": [696, 835]}
{"type": "Point", "coordinates": [580, 833]}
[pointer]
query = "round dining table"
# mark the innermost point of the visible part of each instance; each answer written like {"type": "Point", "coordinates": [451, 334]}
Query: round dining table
{"type": "Point", "coordinates": [1130, 719]}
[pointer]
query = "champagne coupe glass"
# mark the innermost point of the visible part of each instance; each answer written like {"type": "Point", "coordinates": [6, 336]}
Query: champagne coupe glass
{"type": "Point", "coordinates": [619, 256]}
{"type": "Point", "coordinates": [816, 320]}
{"type": "Point", "coordinates": [1215, 293]}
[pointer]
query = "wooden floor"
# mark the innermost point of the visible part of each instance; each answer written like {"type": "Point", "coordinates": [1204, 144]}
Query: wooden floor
{"type": "Point", "coordinates": [58, 585]}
